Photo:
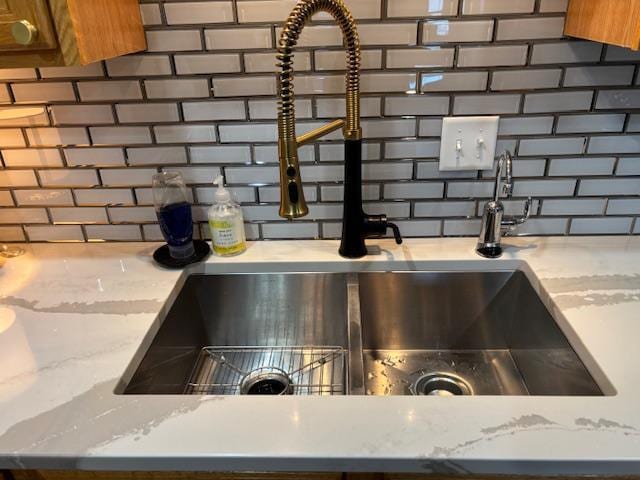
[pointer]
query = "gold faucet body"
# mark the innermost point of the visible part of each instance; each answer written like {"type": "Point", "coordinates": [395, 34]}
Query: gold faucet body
{"type": "Point", "coordinates": [292, 201]}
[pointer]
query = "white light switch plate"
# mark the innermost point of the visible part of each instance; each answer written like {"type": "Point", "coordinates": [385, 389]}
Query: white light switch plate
{"type": "Point", "coordinates": [468, 143]}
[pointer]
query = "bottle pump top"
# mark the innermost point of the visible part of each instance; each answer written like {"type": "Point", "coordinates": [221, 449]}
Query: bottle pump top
{"type": "Point", "coordinates": [222, 194]}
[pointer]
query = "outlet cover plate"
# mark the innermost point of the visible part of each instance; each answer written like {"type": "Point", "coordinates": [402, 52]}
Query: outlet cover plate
{"type": "Point", "coordinates": [468, 143]}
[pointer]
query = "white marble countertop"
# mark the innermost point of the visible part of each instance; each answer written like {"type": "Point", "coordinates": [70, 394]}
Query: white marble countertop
{"type": "Point", "coordinates": [73, 316]}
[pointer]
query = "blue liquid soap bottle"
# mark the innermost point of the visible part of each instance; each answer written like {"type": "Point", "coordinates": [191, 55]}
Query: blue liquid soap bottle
{"type": "Point", "coordinates": [227, 223]}
{"type": "Point", "coordinates": [174, 213]}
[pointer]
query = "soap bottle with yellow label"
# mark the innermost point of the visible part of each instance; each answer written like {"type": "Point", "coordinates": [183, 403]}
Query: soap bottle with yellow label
{"type": "Point", "coordinates": [226, 223]}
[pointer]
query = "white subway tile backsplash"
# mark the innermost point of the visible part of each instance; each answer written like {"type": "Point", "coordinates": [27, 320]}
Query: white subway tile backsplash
{"type": "Point", "coordinates": [12, 234]}
{"type": "Point", "coordinates": [249, 133]}
{"type": "Point", "coordinates": [525, 125]}
{"type": "Point", "coordinates": [544, 188]}
{"type": "Point", "coordinates": [82, 114]}
{"type": "Point", "coordinates": [116, 233]}
{"type": "Point", "coordinates": [614, 99]}
{"type": "Point", "coordinates": [185, 133]}
{"type": "Point", "coordinates": [574, 206]}
{"type": "Point", "coordinates": [221, 154]}
{"type": "Point", "coordinates": [23, 215]}
{"type": "Point", "coordinates": [530, 28]}
{"type": "Point", "coordinates": [597, 76]}
{"type": "Point", "coordinates": [55, 233]}
{"type": "Point", "coordinates": [32, 157]}
{"type": "Point", "coordinates": [43, 197]}
{"type": "Point", "coordinates": [413, 149]}
{"type": "Point", "coordinates": [156, 155]}
{"type": "Point", "coordinates": [421, 8]}
{"type": "Point", "coordinates": [486, 7]}
{"type": "Point", "coordinates": [180, 13]}
{"type": "Point", "coordinates": [552, 146]}
{"type": "Point", "coordinates": [453, 81]}
{"type": "Point", "coordinates": [449, 31]}
{"type": "Point", "coordinates": [68, 178]}
{"type": "Point", "coordinates": [622, 206]}
{"type": "Point", "coordinates": [615, 144]}
{"type": "Point", "coordinates": [590, 123]}
{"type": "Point", "coordinates": [120, 135]}
{"type": "Point", "coordinates": [600, 226]}
{"type": "Point", "coordinates": [495, 104]}
{"type": "Point", "coordinates": [139, 65]}
{"type": "Point", "coordinates": [102, 196]}
{"type": "Point", "coordinates": [576, 167]}
{"type": "Point", "coordinates": [213, 110]}
{"type": "Point", "coordinates": [557, 102]}
{"type": "Point", "coordinates": [18, 178]}
{"type": "Point", "coordinates": [5, 199]}
{"type": "Point", "coordinates": [151, 14]}
{"type": "Point", "coordinates": [566, 52]}
{"type": "Point", "coordinates": [244, 86]}
{"type": "Point", "coordinates": [147, 112]}
{"type": "Point", "coordinates": [388, 34]}
{"type": "Point", "coordinates": [417, 105]}
{"type": "Point", "coordinates": [610, 186]}
{"type": "Point", "coordinates": [195, 64]}
{"type": "Point", "coordinates": [203, 100]}
{"type": "Point", "coordinates": [109, 90]}
{"type": "Point", "coordinates": [503, 55]}
{"type": "Point", "coordinates": [12, 137]}
{"type": "Point", "coordinates": [526, 79]}
{"type": "Point", "coordinates": [43, 92]}
{"type": "Point", "coordinates": [80, 157]}
{"type": "Point", "coordinates": [177, 88]}
{"type": "Point", "coordinates": [45, 137]}
{"type": "Point", "coordinates": [238, 39]}
{"type": "Point", "coordinates": [432, 57]}
{"type": "Point", "coordinates": [173, 40]}
{"type": "Point", "coordinates": [86, 71]}
{"type": "Point", "coordinates": [553, 6]}
{"type": "Point", "coordinates": [127, 177]}
{"type": "Point", "coordinates": [388, 82]}
{"type": "Point", "coordinates": [78, 215]}
{"type": "Point", "coordinates": [389, 128]}
{"type": "Point", "coordinates": [628, 166]}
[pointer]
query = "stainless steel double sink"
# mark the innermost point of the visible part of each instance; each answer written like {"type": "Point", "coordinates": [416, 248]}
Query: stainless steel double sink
{"type": "Point", "coordinates": [443, 333]}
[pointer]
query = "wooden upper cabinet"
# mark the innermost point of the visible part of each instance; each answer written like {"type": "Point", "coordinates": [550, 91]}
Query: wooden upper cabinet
{"type": "Point", "coordinates": [616, 22]}
{"type": "Point", "coordinates": [42, 33]}
{"type": "Point", "coordinates": [26, 25]}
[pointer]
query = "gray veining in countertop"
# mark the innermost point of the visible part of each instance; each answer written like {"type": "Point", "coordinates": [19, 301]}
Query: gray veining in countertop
{"type": "Point", "coordinates": [73, 316]}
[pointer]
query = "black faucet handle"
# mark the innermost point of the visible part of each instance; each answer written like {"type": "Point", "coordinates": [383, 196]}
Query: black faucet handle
{"type": "Point", "coordinates": [396, 232]}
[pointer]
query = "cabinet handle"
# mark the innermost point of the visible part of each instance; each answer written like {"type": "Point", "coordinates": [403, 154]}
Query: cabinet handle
{"type": "Point", "coordinates": [24, 32]}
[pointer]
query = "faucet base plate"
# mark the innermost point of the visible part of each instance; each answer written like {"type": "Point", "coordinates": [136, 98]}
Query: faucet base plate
{"type": "Point", "coordinates": [493, 251]}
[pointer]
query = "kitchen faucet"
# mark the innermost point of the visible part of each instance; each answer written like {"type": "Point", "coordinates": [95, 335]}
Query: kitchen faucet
{"type": "Point", "coordinates": [494, 223]}
{"type": "Point", "coordinates": [356, 225]}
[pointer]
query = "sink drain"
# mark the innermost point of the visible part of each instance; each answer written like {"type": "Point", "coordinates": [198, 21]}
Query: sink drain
{"type": "Point", "coordinates": [266, 381]}
{"type": "Point", "coordinates": [440, 384]}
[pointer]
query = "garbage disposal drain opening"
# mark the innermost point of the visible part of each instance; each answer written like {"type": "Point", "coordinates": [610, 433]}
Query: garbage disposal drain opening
{"type": "Point", "coordinates": [441, 384]}
{"type": "Point", "coordinates": [267, 381]}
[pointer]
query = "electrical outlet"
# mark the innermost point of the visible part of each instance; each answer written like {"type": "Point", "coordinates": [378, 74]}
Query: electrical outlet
{"type": "Point", "coordinates": [468, 143]}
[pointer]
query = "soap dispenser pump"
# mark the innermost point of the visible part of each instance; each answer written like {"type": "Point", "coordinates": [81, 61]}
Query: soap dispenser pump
{"type": "Point", "coordinates": [226, 223]}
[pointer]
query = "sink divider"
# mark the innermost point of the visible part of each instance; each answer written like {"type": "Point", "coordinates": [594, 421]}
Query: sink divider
{"type": "Point", "coordinates": [355, 372]}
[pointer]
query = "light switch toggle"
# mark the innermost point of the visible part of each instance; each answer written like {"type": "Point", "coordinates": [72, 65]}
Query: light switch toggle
{"type": "Point", "coordinates": [468, 143]}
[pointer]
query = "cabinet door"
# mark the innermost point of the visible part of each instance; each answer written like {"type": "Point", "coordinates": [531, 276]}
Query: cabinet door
{"type": "Point", "coordinates": [35, 17]}
{"type": "Point", "coordinates": [616, 22]}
